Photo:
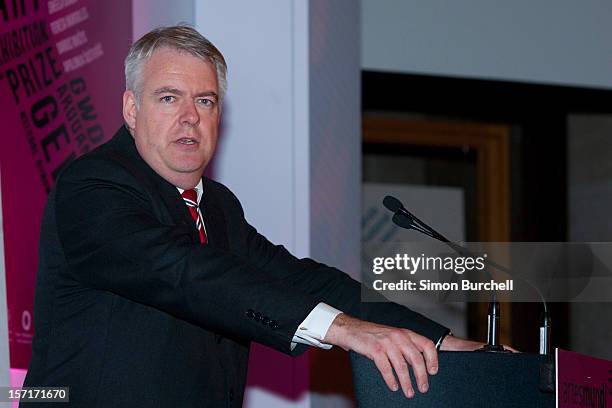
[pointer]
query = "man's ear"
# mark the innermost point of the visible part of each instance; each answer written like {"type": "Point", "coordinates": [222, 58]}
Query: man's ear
{"type": "Point", "coordinates": [129, 109]}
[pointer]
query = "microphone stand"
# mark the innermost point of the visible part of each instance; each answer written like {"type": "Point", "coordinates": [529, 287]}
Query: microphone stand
{"type": "Point", "coordinates": [406, 219]}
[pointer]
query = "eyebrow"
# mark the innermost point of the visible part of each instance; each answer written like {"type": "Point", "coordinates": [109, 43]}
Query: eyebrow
{"type": "Point", "coordinates": [175, 91]}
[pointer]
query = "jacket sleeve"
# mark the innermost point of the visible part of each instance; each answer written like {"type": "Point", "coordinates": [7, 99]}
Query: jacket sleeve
{"type": "Point", "coordinates": [114, 241]}
{"type": "Point", "coordinates": [330, 285]}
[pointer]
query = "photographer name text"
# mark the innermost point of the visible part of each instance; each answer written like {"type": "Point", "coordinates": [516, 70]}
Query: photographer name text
{"type": "Point", "coordinates": [430, 286]}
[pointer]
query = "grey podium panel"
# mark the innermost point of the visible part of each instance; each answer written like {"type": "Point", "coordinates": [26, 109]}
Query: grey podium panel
{"type": "Point", "coordinates": [464, 379]}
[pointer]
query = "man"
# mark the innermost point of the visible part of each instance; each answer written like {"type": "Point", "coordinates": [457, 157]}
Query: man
{"type": "Point", "coordinates": [151, 283]}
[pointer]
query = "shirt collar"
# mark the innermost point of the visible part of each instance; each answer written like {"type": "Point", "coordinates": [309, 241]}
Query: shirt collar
{"type": "Point", "coordinates": [198, 188]}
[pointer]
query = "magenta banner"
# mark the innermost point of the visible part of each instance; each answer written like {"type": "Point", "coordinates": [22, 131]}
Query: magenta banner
{"type": "Point", "coordinates": [583, 381]}
{"type": "Point", "coordinates": [61, 81]}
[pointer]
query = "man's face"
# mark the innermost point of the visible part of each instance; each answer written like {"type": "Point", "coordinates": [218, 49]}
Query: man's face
{"type": "Point", "coordinates": [175, 126]}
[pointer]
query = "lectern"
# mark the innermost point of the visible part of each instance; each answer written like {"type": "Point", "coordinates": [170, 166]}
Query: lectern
{"type": "Point", "coordinates": [464, 379]}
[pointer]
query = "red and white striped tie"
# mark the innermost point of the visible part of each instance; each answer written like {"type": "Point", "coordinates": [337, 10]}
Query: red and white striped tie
{"type": "Point", "coordinates": [191, 199]}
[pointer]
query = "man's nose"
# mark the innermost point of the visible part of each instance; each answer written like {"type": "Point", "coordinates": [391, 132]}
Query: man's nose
{"type": "Point", "coordinates": [189, 114]}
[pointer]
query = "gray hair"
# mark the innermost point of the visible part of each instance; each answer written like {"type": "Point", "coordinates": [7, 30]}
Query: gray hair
{"type": "Point", "coordinates": [182, 38]}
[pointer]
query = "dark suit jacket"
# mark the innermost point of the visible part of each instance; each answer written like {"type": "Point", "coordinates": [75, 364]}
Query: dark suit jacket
{"type": "Point", "coordinates": [131, 310]}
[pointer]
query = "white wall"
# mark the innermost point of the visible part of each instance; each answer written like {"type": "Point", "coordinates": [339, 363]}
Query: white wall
{"type": "Point", "coordinates": [548, 41]}
{"type": "Point", "coordinates": [335, 133]}
{"type": "Point", "coordinates": [148, 14]}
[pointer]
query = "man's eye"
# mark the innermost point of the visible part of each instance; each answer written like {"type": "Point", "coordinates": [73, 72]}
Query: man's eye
{"type": "Point", "coordinates": [167, 99]}
{"type": "Point", "coordinates": [206, 102]}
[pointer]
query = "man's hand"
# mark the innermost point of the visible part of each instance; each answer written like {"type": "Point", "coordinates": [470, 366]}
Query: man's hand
{"type": "Point", "coordinates": [391, 349]}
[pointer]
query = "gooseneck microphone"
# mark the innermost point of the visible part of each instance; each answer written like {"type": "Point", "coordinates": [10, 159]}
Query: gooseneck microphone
{"type": "Point", "coordinates": [405, 219]}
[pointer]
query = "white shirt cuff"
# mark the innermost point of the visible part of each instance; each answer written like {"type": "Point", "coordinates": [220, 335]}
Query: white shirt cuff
{"type": "Point", "coordinates": [314, 328]}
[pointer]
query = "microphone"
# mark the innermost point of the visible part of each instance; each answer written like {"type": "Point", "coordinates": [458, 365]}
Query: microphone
{"type": "Point", "coordinates": [405, 219]}
{"type": "Point", "coordinates": [393, 204]}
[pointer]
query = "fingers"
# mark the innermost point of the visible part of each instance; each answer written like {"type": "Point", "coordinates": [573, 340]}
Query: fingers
{"type": "Point", "coordinates": [384, 367]}
{"type": "Point", "coordinates": [415, 358]}
{"type": "Point", "coordinates": [398, 360]}
{"type": "Point", "coordinates": [430, 354]}
{"type": "Point", "coordinates": [401, 351]}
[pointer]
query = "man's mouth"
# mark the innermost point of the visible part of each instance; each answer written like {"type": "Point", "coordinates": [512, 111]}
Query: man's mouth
{"type": "Point", "coordinates": [187, 141]}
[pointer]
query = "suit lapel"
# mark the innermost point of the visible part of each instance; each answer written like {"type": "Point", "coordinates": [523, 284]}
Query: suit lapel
{"type": "Point", "coordinates": [214, 219]}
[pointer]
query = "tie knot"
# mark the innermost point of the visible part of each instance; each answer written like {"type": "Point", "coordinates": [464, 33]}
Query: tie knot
{"type": "Point", "coordinates": [191, 197]}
